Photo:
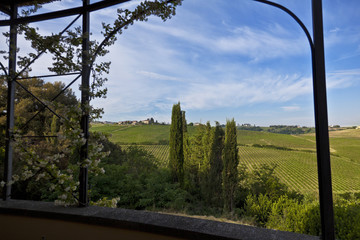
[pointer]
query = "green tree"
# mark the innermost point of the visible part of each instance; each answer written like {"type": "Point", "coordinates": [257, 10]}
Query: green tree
{"type": "Point", "coordinates": [216, 166]}
{"type": "Point", "coordinates": [262, 180]}
{"type": "Point", "coordinates": [204, 164]}
{"type": "Point", "coordinates": [184, 121]}
{"type": "Point", "coordinates": [176, 159]}
{"type": "Point", "coordinates": [26, 106]}
{"type": "Point", "coordinates": [231, 161]}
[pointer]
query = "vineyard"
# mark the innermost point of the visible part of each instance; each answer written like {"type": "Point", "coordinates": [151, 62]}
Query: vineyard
{"type": "Point", "coordinates": [297, 169]}
{"type": "Point", "coordinates": [161, 152]}
{"type": "Point", "coordinates": [294, 155]}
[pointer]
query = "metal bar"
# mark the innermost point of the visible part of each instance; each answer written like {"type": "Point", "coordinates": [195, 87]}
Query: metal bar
{"type": "Point", "coordinates": [38, 99]}
{"type": "Point", "coordinates": [321, 125]}
{"type": "Point", "coordinates": [61, 33]}
{"type": "Point", "coordinates": [50, 75]}
{"type": "Point", "coordinates": [321, 116]}
{"type": "Point", "coordinates": [5, 10]}
{"type": "Point", "coordinates": [10, 107]}
{"type": "Point", "coordinates": [107, 38]}
{"type": "Point", "coordinates": [85, 88]}
{"type": "Point", "coordinates": [302, 25]}
{"type": "Point", "coordinates": [42, 108]}
{"type": "Point", "coordinates": [4, 69]}
{"type": "Point", "coordinates": [32, 61]}
{"type": "Point", "coordinates": [63, 13]}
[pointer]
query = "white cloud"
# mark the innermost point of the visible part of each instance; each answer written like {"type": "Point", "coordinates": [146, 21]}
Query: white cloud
{"type": "Point", "coordinates": [257, 89]}
{"type": "Point", "coordinates": [259, 44]}
{"type": "Point", "coordinates": [343, 78]}
{"type": "Point", "coordinates": [334, 30]}
{"type": "Point", "coordinates": [247, 41]}
{"type": "Point", "coordinates": [157, 76]}
{"type": "Point", "coordinates": [290, 108]}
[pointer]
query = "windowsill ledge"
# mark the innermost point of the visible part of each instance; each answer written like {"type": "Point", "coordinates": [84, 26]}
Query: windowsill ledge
{"type": "Point", "coordinates": [143, 221]}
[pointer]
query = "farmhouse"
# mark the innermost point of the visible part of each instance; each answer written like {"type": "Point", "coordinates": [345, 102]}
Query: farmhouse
{"type": "Point", "coordinates": [147, 121]}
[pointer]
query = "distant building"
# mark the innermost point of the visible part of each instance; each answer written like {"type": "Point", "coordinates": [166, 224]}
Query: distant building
{"type": "Point", "coordinates": [147, 121]}
{"type": "Point", "coordinates": [135, 123]}
{"type": "Point", "coordinates": [358, 127]}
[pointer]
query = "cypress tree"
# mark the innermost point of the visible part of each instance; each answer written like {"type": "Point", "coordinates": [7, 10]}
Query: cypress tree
{"type": "Point", "coordinates": [216, 166]}
{"type": "Point", "coordinates": [184, 121]}
{"type": "Point", "coordinates": [176, 159]}
{"type": "Point", "coordinates": [194, 155]}
{"type": "Point", "coordinates": [204, 166]}
{"type": "Point", "coordinates": [230, 161]}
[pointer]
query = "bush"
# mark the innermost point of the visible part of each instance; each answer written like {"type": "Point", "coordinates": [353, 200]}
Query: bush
{"type": "Point", "coordinates": [347, 219]}
{"type": "Point", "coordinates": [258, 208]}
{"type": "Point", "coordinates": [138, 183]}
{"type": "Point", "coordinates": [295, 216]}
{"type": "Point", "coordinates": [262, 180]}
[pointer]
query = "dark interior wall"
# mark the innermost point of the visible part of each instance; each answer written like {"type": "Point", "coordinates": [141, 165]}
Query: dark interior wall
{"type": "Point", "coordinates": [30, 228]}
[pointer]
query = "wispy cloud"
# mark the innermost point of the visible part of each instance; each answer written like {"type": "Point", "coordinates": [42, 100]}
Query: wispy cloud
{"type": "Point", "coordinates": [343, 78]}
{"type": "Point", "coordinates": [254, 43]}
{"type": "Point", "coordinates": [259, 44]}
{"type": "Point", "coordinates": [157, 76]}
{"type": "Point", "coordinates": [290, 108]}
{"type": "Point", "coordinates": [257, 89]}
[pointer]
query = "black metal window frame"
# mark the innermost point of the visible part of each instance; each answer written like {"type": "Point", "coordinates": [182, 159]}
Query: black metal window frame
{"type": "Point", "coordinates": [319, 93]}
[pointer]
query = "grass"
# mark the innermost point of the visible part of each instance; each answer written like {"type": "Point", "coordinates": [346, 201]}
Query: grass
{"type": "Point", "coordinates": [142, 134]}
{"type": "Point", "coordinates": [344, 143]}
{"type": "Point", "coordinates": [245, 137]}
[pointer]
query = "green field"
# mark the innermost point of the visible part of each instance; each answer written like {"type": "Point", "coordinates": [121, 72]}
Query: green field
{"type": "Point", "coordinates": [141, 134]}
{"type": "Point", "coordinates": [297, 165]}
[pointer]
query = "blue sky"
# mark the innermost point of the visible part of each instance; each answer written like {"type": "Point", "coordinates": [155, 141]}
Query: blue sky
{"type": "Point", "coordinates": [227, 59]}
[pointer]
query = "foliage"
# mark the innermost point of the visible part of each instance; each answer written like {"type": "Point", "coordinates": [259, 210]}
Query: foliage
{"type": "Point", "coordinates": [289, 214]}
{"type": "Point", "coordinates": [259, 208]}
{"type": "Point", "coordinates": [216, 166]}
{"type": "Point", "coordinates": [139, 183]}
{"type": "Point", "coordinates": [251, 128]}
{"type": "Point", "coordinates": [230, 163]}
{"type": "Point", "coordinates": [284, 129]}
{"type": "Point", "coordinates": [304, 217]}
{"type": "Point", "coordinates": [57, 164]}
{"type": "Point", "coordinates": [176, 158]}
{"type": "Point", "coordinates": [347, 218]}
{"type": "Point", "coordinates": [262, 180]}
{"type": "Point", "coordinates": [197, 162]}
{"type": "Point", "coordinates": [26, 106]}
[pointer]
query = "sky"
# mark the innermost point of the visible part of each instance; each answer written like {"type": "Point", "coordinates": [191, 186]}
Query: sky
{"type": "Point", "coordinates": [225, 59]}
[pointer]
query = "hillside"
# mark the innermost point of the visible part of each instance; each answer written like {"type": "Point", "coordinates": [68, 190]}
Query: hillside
{"type": "Point", "coordinates": [344, 143]}
{"type": "Point", "coordinates": [153, 134]}
{"type": "Point", "coordinates": [141, 134]}
{"type": "Point", "coordinates": [295, 155]}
